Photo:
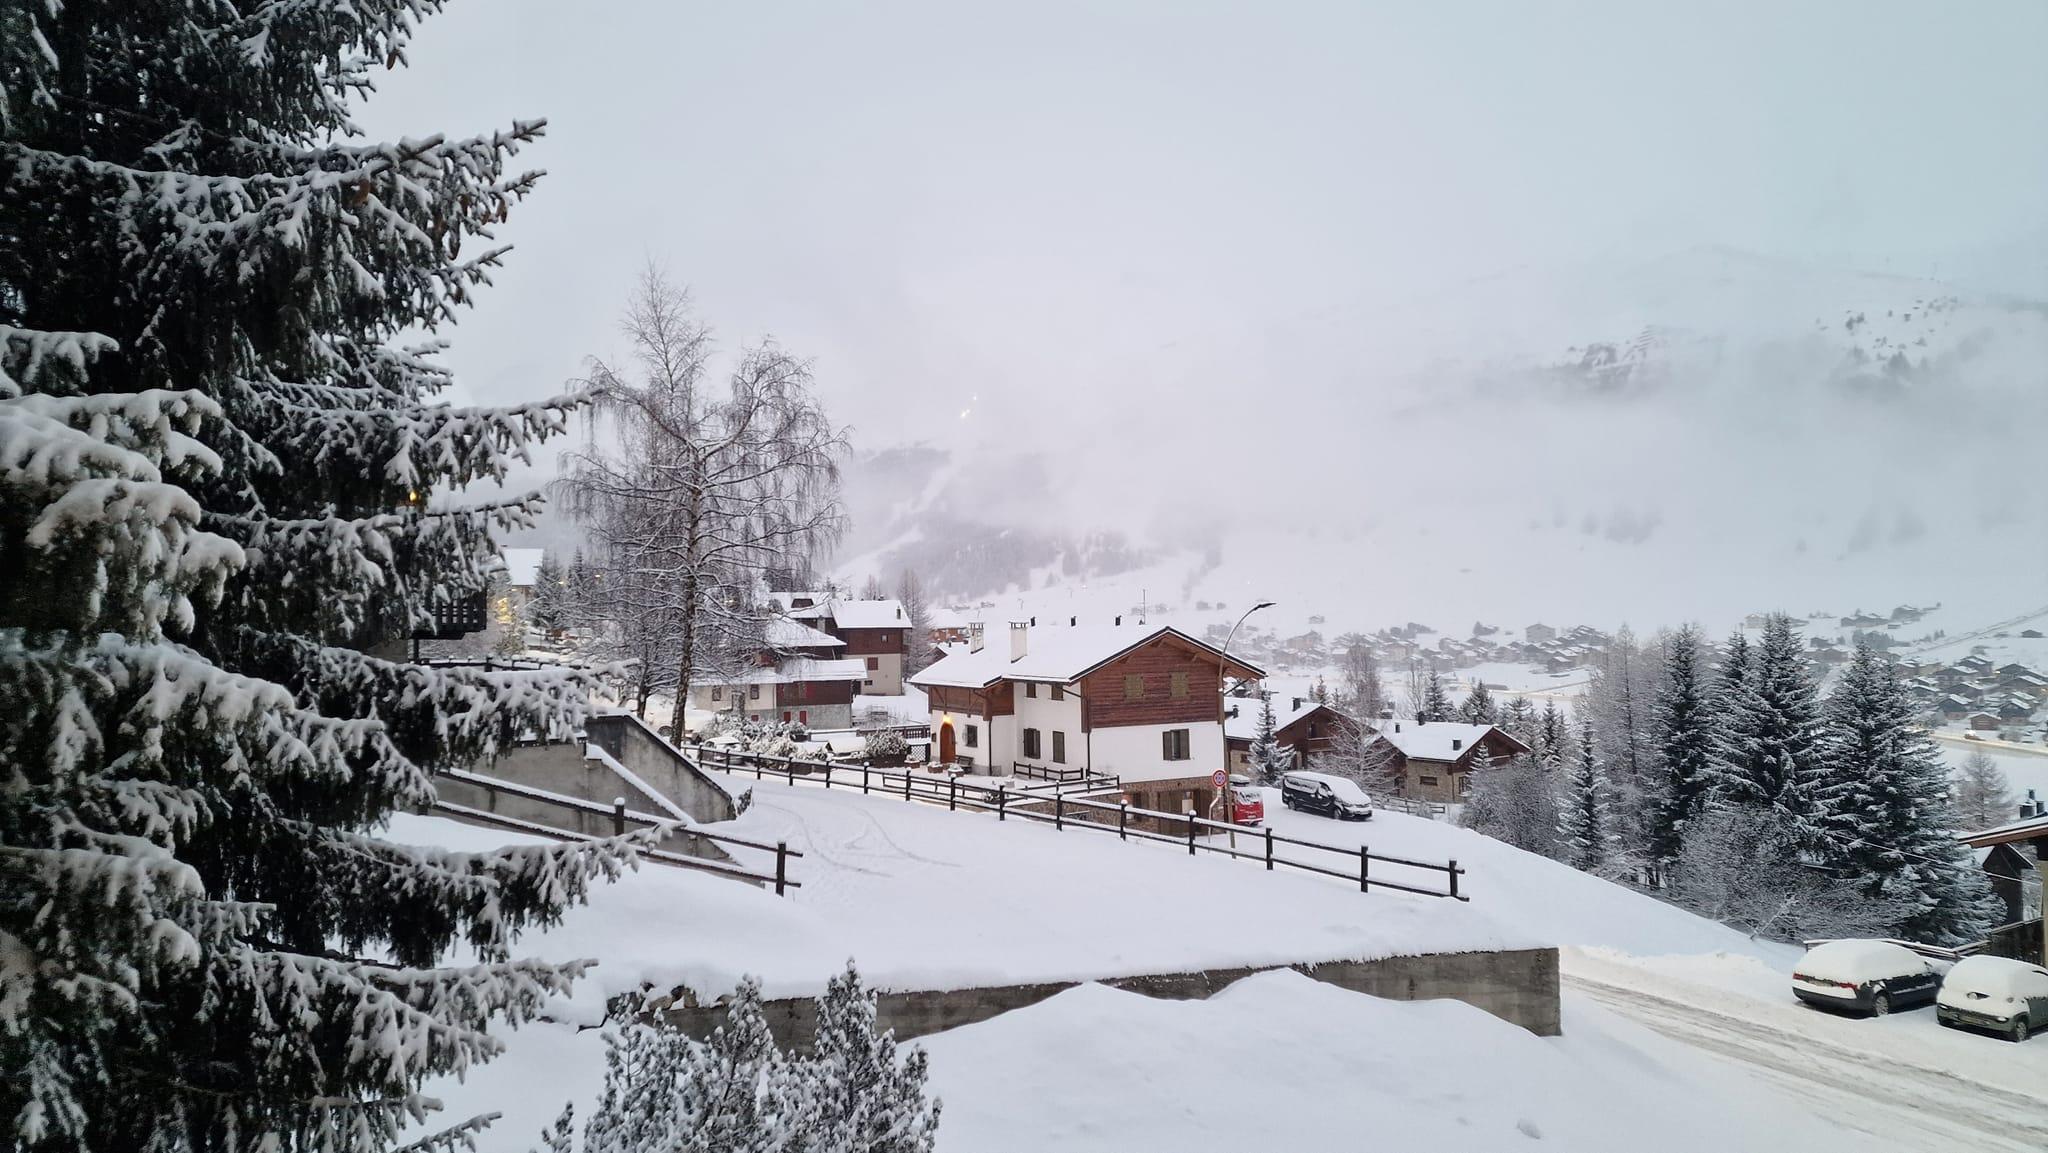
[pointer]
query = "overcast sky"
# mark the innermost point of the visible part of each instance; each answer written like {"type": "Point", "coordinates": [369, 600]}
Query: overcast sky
{"type": "Point", "coordinates": [940, 203]}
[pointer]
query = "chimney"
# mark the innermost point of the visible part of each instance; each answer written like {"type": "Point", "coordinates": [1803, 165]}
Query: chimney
{"type": "Point", "coordinates": [974, 636]}
{"type": "Point", "coordinates": [1296, 706]}
{"type": "Point", "coordinates": [1119, 620]}
{"type": "Point", "coordinates": [899, 612]}
{"type": "Point", "coordinates": [1456, 744]}
{"type": "Point", "coordinates": [1034, 622]}
{"type": "Point", "coordinates": [1072, 621]}
{"type": "Point", "coordinates": [1020, 635]}
{"type": "Point", "coordinates": [1397, 726]}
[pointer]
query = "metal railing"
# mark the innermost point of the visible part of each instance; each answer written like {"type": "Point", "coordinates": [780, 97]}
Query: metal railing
{"type": "Point", "coordinates": [621, 817]}
{"type": "Point", "coordinates": [1066, 811]}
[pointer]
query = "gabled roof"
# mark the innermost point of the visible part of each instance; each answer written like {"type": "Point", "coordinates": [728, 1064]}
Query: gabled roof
{"type": "Point", "coordinates": [1245, 724]}
{"type": "Point", "coordinates": [2022, 830]}
{"type": "Point", "coordinates": [1058, 653]}
{"type": "Point", "coordinates": [882, 614]}
{"type": "Point", "coordinates": [1434, 740]}
{"type": "Point", "coordinates": [784, 633]}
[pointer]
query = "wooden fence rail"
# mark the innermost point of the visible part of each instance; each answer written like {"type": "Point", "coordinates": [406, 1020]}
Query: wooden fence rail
{"type": "Point", "coordinates": [1063, 811]}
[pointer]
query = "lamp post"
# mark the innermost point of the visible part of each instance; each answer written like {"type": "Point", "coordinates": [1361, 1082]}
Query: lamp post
{"type": "Point", "coordinates": [1223, 671]}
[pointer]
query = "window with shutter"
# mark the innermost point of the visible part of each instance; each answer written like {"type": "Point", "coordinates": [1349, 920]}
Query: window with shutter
{"type": "Point", "coordinates": [1134, 687]}
{"type": "Point", "coordinates": [1179, 686]}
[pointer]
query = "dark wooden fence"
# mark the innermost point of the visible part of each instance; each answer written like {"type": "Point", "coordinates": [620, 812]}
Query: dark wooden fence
{"type": "Point", "coordinates": [1065, 810]}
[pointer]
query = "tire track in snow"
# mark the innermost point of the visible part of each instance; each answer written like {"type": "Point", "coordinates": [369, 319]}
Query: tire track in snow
{"type": "Point", "coordinates": [1889, 1098]}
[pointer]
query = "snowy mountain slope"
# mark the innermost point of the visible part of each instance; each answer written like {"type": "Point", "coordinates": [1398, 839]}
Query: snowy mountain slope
{"type": "Point", "coordinates": [1698, 436]}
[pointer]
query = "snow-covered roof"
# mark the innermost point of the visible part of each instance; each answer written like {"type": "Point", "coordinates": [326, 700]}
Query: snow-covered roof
{"type": "Point", "coordinates": [882, 614]}
{"type": "Point", "coordinates": [1245, 724]}
{"type": "Point", "coordinates": [2025, 830]}
{"type": "Point", "coordinates": [1435, 740]}
{"type": "Point", "coordinates": [945, 618]}
{"type": "Point", "coordinates": [784, 633]}
{"type": "Point", "coordinates": [792, 670]}
{"type": "Point", "coordinates": [1062, 653]}
{"type": "Point", "coordinates": [522, 566]}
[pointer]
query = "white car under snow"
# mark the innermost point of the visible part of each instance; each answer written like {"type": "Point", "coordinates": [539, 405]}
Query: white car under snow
{"type": "Point", "coordinates": [1997, 994]}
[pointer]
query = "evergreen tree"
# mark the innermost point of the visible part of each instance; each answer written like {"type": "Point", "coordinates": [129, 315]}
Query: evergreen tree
{"type": "Point", "coordinates": [1269, 758]}
{"type": "Point", "coordinates": [1435, 703]}
{"type": "Point", "coordinates": [549, 610]}
{"type": "Point", "coordinates": [1479, 708]}
{"type": "Point", "coordinates": [1583, 821]}
{"type": "Point", "coordinates": [666, 1092]}
{"type": "Point", "coordinates": [1767, 755]}
{"type": "Point", "coordinates": [1518, 720]}
{"type": "Point", "coordinates": [1881, 805]}
{"type": "Point", "coordinates": [216, 501]}
{"type": "Point", "coordinates": [1618, 705]}
{"type": "Point", "coordinates": [1553, 744]}
{"type": "Point", "coordinates": [1684, 727]}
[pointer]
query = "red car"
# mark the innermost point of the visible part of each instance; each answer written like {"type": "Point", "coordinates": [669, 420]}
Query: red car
{"type": "Point", "coordinates": [1247, 804]}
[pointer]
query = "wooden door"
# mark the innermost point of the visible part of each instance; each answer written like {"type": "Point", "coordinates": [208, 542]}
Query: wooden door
{"type": "Point", "coordinates": [946, 743]}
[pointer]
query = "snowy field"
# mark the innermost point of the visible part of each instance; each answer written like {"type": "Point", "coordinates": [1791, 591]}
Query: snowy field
{"type": "Point", "coordinates": [924, 898]}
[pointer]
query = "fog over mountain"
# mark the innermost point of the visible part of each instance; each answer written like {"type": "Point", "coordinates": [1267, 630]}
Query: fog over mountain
{"type": "Point", "coordinates": [1484, 309]}
{"type": "Point", "coordinates": [1707, 433]}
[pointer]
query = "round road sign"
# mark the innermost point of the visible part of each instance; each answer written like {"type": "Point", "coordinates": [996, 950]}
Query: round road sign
{"type": "Point", "coordinates": [1219, 778]}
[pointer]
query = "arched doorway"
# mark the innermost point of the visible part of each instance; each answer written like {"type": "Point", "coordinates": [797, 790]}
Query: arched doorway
{"type": "Point", "coordinates": [945, 742]}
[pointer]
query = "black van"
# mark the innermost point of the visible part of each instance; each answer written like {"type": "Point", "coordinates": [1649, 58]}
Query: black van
{"type": "Point", "coordinates": [1330, 796]}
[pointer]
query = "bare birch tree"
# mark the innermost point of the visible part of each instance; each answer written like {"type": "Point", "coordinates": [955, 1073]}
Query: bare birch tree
{"type": "Point", "coordinates": [697, 492]}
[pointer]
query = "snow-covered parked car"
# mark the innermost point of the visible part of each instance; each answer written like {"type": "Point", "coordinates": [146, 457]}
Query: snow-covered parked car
{"type": "Point", "coordinates": [1872, 977]}
{"type": "Point", "coordinates": [1338, 797]}
{"type": "Point", "coordinates": [1997, 994]}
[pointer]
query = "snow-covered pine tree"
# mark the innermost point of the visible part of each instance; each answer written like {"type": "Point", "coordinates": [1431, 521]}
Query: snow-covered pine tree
{"type": "Point", "coordinates": [1267, 756]}
{"type": "Point", "coordinates": [1434, 704]}
{"type": "Point", "coordinates": [1767, 755]}
{"type": "Point", "coordinates": [1518, 720]}
{"type": "Point", "coordinates": [215, 479]}
{"type": "Point", "coordinates": [1618, 704]}
{"type": "Point", "coordinates": [1684, 728]}
{"type": "Point", "coordinates": [1479, 708]}
{"type": "Point", "coordinates": [1553, 744]}
{"type": "Point", "coordinates": [666, 1092]}
{"type": "Point", "coordinates": [1583, 822]}
{"type": "Point", "coordinates": [1881, 805]}
{"type": "Point", "coordinates": [1984, 798]}
{"type": "Point", "coordinates": [549, 610]}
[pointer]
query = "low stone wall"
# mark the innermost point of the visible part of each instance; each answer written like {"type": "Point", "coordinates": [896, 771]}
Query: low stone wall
{"type": "Point", "coordinates": [1517, 985]}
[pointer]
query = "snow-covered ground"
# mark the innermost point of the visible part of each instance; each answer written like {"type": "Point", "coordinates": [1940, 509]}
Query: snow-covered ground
{"type": "Point", "coordinates": [1680, 1034]}
{"type": "Point", "coordinates": [924, 898]}
{"type": "Point", "coordinates": [1902, 1079]}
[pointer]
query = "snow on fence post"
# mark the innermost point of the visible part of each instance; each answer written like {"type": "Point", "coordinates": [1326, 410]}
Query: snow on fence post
{"type": "Point", "coordinates": [781, 866]}
{"type": "Point", "coordinates": [1002, 804]}
{"type": "Point", "coordinates": [1364, 859]}
{"type": "Point", "coordinates": [952, 794]}
{"type": "Point", "coordinates": [864, 767]}
{"type": "Point", "coordinates": [1191, 832]}
{"type": "Point", "coordinates": [1059, 810]}
{"type": "Point", "coordinates": [906, 782]}
{"type": "Point", "coordinates": [828, 771]}
{"type": "Point", "coordinates": [618, 816]}
{"type": "Point", "coordinates": [1269, 848]}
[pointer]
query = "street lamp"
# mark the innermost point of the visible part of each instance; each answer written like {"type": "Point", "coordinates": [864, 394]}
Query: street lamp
{"type": "Point", "coordinates": [1222, 671]}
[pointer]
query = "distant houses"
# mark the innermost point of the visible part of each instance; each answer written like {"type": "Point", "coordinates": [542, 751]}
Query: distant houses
{"type": "Point", "coordinates": [1306, 727]}
{"type": "Point", "coordinates": [1434, 760]}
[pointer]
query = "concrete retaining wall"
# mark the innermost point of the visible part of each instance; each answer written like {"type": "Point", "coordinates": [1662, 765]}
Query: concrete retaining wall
{"type": "Point", "coordinates": [1516, 985]}
{"type": "Point", "coordinates": [569, 818]}
{"type": "Point", "coordinates": [631, 743]}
